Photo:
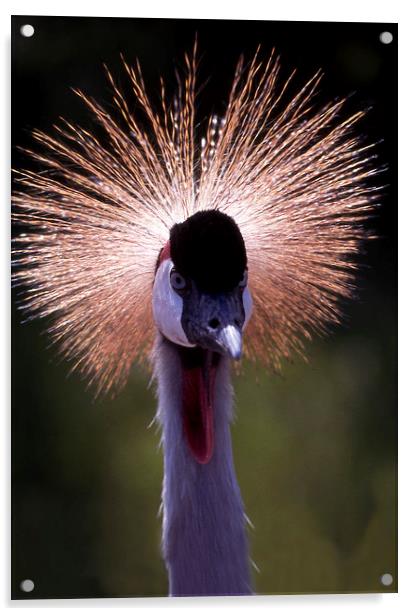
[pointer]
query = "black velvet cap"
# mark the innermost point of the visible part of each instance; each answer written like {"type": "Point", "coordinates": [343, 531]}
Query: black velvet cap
{"type": "Point", "coordinates": [209, 248]}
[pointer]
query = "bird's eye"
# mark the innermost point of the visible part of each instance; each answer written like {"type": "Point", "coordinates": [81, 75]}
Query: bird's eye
{"type": "Point", "coordinates": [177, 281]}
{"type": "Point", "coordinates": [244, 280]}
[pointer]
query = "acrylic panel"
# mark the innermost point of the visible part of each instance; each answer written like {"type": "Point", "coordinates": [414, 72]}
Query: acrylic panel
{"type": "Point", "coordinates": [204, 309]}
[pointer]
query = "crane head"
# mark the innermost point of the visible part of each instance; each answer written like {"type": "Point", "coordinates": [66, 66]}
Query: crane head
{"type": "Point", "coordinates": [200, 294]}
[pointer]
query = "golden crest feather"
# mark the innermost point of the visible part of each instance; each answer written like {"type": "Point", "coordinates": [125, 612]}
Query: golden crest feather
{"type": "Point", "coordinates": [294, 178]}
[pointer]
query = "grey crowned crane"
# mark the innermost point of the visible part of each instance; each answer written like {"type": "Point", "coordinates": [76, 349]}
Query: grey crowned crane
{"type": "Point", "coordinates": [169, 242]}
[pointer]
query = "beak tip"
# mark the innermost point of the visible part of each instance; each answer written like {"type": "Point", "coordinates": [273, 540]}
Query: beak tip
{"type": "Point", "coordinates": [231, 339]}
{"type": "Point", "coordinates": [235, 353]}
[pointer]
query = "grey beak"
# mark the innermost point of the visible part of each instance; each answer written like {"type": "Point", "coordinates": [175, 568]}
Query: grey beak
{"type": "Point", "coordinates": [214, 321]}
{"type": "Point", "coordinates": [230, 338]}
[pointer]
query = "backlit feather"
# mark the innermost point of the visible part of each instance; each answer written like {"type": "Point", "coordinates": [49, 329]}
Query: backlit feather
{"type": "Point", "coordinates": [294, 178]}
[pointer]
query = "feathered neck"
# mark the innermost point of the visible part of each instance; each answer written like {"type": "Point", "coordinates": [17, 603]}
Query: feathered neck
{"type": "Point", "coordinates": [204, 539]}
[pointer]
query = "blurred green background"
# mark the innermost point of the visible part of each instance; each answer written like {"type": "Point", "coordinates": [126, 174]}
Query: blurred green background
{"type": "Point", "coordinates": [315, 447]}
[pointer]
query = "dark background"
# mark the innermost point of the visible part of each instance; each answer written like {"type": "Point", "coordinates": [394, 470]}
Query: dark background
{"type": "Point", "coordinates": [315, 449]}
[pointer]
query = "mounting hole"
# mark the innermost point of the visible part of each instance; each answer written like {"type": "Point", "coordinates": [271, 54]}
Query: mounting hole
{"type": "Point", "coordinates": [27, 30]}
{"type": "Point", "coordinates": [386, 579]}
{"type": "Point", "coordinates": [386, 37]}
{"type": "Point", "coordinates": [27, 585]}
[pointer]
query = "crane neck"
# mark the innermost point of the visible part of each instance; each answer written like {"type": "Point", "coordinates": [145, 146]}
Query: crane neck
{"type": "Point", "coordinates": [204, 525]}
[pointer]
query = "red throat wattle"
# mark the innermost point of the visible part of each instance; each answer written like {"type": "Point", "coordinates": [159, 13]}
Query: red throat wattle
{"type": "Point", "coordinates": [198, 382]}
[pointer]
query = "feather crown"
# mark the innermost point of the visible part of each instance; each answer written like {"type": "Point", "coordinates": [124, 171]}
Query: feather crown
{"type": "Point", "coordinates": [293, 178]}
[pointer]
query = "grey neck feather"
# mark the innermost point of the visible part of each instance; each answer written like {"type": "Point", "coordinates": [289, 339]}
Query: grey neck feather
{"type": "Point", "coordinates": [204, 539]}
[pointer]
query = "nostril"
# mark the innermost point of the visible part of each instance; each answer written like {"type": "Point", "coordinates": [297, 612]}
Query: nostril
{"type": "Point", "coordinates": [214, 323]}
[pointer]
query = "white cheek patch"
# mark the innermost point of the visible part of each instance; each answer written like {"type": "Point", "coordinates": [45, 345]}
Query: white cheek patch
{"type": "Point", "coordinates": [248, 306]}
{"type": "Point", "coordinates": [168, 306]}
